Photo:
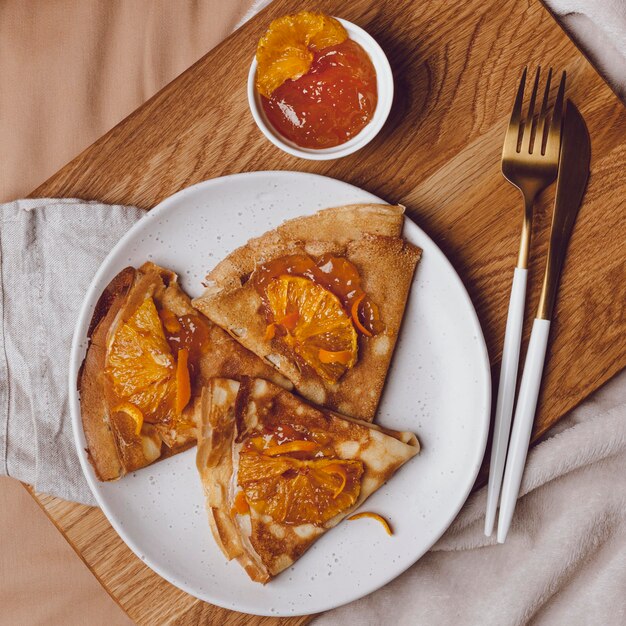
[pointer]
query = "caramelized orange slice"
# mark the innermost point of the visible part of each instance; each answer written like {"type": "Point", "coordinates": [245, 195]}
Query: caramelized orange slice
{"type": "Point", "coordinates": [295, 491]}
{"type": "Point", "coordinates": [322, 326]}
{"type": "Point", "coordinates": [133, 411]}
{"type": "Point", "coordinates": [334, 273]}
{"type": "Point", "coordinates": [285, 52]}
{"type": "Point", "coordinates": [140, 363]}
{"type": "Point", "coordinates": [378, 518]}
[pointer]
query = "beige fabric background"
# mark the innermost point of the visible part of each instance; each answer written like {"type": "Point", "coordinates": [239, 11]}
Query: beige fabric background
{"type": "Point", "coordinates": [72, 69]}
{"type": "Point", "coordinates": [69, 71]}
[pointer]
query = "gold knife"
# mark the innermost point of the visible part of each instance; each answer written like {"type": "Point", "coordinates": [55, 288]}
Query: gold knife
{"type": "Point", "coordinates": [571, 183]}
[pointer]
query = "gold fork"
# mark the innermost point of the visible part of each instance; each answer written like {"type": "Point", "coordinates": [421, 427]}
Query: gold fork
{"type": "Point", "coordinates": [530, 161]}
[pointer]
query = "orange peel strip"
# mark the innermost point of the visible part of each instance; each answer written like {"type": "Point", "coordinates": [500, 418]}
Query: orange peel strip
{"type": "Point", "coordinates": [183, 383]}
{"type": "Point", "coordinates": [270, 332]}
{"type": "Point", "coordinates": [240, 505]}
{"type": "Point", "coordinates": [291, 446]}
{"type": "Point", "coordinates": [170, 321]}
{"type": "Point", "coordinates": [133, 411]}
{"type": "Point", "coordinates": [378, 518]}
{"type": "Point", "coordinates": [354, 312]}
{"type": "Point", "coordinates": [327, 356]}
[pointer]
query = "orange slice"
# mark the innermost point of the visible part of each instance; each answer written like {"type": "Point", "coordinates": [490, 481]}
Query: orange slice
{"type": "Point", "coordinates": [378, 518]}
{"type": "Point", "coordinates": [133, 411]}
{"type": "Point", "coordinates": [140, 363]}
{"type": "Point", "coordinates": [285, 52]}
{"type": "Point", "coordinates": [322, 327]}
{"type": "Point", "coordinates": [295, 491]}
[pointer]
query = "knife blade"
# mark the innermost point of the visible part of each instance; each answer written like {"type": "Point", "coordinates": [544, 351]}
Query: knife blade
{"type": "Point", "coordinates": [574, 162]}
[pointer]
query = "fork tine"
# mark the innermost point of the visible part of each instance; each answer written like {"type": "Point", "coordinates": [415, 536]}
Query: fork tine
{"type": "Point", "coordinates": [512, 132]}
{"type": "Point", "coordinates": [553, 141]}
{"type": "Point", "coordinates": [540, 134]}
{"type": "Point", "coordinates": [529, 124]}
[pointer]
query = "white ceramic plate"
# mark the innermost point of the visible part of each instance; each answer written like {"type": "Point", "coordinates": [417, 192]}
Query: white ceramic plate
{"type": "Point", "coordinates": [438, 386]}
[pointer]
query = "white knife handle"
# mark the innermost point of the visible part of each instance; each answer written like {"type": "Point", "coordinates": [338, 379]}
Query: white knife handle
{"type": "Point", "coordinates": [523, 423]}
{"type": "Point", "coordinates": [506, 393]}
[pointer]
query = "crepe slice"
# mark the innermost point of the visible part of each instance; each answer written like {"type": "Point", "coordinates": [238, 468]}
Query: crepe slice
{"type": "Point", "coordinates": [149, 355]}
{"type": "Point", "coordinates": [278, 473]}
{"type": "Point", "coordinates": [315, 333]}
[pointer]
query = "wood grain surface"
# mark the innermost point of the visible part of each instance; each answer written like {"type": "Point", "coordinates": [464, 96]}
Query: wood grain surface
{"type": "Point", "coordinates": [456, 68]}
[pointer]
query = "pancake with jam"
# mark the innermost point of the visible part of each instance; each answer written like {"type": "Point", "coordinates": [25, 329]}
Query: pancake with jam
{"type": "Point", "coordinates": [321, 298]}
{"type": "Point", "coordinates": [150, 352]}
{"type": "Point", "coordinates": [278, 473]}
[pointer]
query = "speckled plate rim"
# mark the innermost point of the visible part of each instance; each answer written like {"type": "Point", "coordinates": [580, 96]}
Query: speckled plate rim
{"type": "Point", "coordinates": [77, 354]}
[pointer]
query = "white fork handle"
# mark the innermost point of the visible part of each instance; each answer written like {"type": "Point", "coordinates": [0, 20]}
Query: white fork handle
{"type": "Point", "coordinates": [506, 393]}
{"type": "Point", "coordinates": [523, 423]}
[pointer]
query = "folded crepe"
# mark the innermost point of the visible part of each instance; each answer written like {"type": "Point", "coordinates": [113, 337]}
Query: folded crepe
{"type": "Point", "coordinates": [321, 298]}
{"type": "Point", "coordinates": [278, 473]}
{"type": "Point", "coordinates": [149, 355]}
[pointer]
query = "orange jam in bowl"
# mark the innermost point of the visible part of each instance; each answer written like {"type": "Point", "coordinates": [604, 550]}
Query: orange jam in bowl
{"type": "Point", "coordinates": [329, 104]}
{"type": "Point", "coordinates": [316, 83]}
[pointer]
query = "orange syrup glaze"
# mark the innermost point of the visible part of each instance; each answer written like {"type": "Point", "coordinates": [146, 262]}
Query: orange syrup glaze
{"type": "Point", "coordinates": [188, 332]}
{"type": "Point", "coordinates": [331, 103]}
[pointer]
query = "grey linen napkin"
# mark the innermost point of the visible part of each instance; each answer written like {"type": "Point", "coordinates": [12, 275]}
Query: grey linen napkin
{"type": "Point", "coordinates": [49, 252]}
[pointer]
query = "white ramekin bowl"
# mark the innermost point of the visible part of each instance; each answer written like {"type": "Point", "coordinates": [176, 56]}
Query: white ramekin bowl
{"type": "Point", "coordinates": [384, 84]}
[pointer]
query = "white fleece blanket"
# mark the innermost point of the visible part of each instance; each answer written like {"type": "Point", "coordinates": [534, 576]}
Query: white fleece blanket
{"type": "Point", "coordinates": [599, 28]}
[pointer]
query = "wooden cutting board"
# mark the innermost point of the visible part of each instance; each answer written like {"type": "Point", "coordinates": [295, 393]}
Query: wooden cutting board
{"type": "Point", "coordinates": [456, 68]}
